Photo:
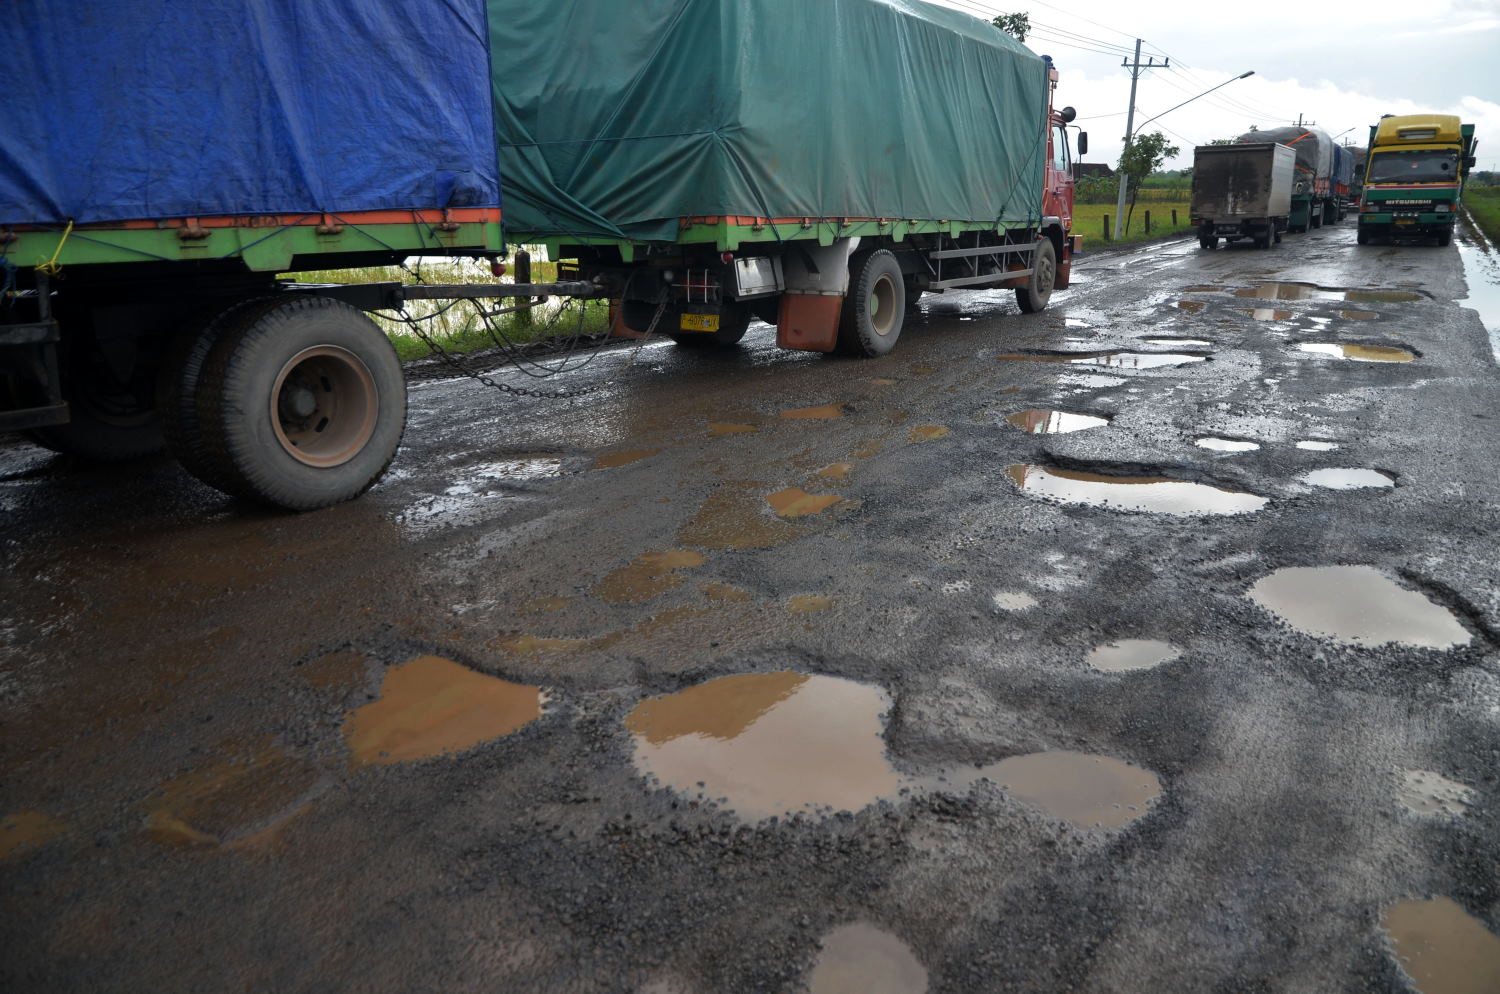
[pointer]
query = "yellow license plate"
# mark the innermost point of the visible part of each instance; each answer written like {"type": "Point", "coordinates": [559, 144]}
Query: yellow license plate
{"type": "Point", "coordinates": [698, 322]}
{"type": "Point", "coordinates": [1406, 220]}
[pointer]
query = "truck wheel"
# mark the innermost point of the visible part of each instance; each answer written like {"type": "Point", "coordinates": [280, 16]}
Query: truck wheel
{"type": "Point", "coordinates": [1315, 220]}
{"type": "Point", "coordinates": [110, 419]}
{"type": "Point", "coordinates": [1444, 238]}
{"type": "Point", "coordinates": [874, 306]}
{"type": "Point", "coordinates": [1362, 237]}
{"type": "Point", "coordinates": [300, 403]}
{"type": "Point", "coordinates": [1209, 242]}
{"type": "Point", "coordinates": [733, 320]}
{"type": "Point", "coordinates": [1034, 296]}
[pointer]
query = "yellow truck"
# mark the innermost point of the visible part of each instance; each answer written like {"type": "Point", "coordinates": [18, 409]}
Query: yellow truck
{"type": "Point", "coordinates": [1414, 176]}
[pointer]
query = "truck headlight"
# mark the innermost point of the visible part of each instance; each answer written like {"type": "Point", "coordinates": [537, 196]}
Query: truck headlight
{"type": "Point", "coordinates": [1441, 208]}
{"type": "Point", "coordinates": [1368, 208]}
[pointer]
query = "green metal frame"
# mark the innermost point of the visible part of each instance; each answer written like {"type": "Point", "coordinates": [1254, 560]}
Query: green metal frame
{"type": "Point", "coordinates": [262, 249]}
{"type": "Point", "coordinates": [729, 237]}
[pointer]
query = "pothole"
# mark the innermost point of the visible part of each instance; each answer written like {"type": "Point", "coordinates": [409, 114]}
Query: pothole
{"type": "Point", "coordinates": [649, 575]}
{"type": "Point", "coordinates": [1340, 478]}
{"type": "Point", "coordinates": [623, 458]}
{"type": "Point", "coordinates": [769, 743]}
{"type": "Point", "coordinates": [1038, 421]}
{"type": "Point", "coordinates": [1357, 605]}
{"type": "Point", "coordinates": [1358, 315]}
{"type": "Point", "coordinates": [861, 959]}
{"type": "Point", "coordinates": [432, 706]}
{"type": "Point", "coordinates": [836, 471]}
{"type": "Point", "coordinates": [927, 433]}
{"type": "Point", "coordinates": [1317, 445]}
{"type": "Point", "coordinates": [1132, 654]}
{"type": "Point", "coordinates": [1192, 306]}
{"type": "Point", "coordinates": [1358, 353]}
{"type": "Point", "coordinates": [230, 798]}
{"type": "Point", "coordinates": [1424, 792]}
{"type": "Point", "coordinates": [728, 428]}
{"type": "Point", "coordinates": [1113, 360]}
{"type": "Point", "coordinates": [1226, 444]}
{"type": "Point", "coordinates": [1014, 600]}
{"type": "Point", "coordinates": [772, 744]}
{"type": "Point", "coordinates": [794, 502]}
{"type": "Point", "coordinates": [1310, 291]}
{"type": "Point", "coordinates": [1155, 494]}
{"type": "Point", "coordinates": [809, 603]}
{"type": "Point", "coordinates": [1443, 948]}
{"type": "Point", "coordinates": [23, 831]}
{"type": "Point", "coordinates": [1268, 314]}
{"type": "Point", "coordinates": [823, 412]}
{"type": "Point", "coordinates": [1181, 343]}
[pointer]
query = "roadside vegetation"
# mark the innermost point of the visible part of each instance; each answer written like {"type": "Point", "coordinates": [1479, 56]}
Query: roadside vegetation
{"type": "Point", "coordinates": [1483, 205]}
{"type": "Point", "coordinates": [459, 326]}
{"type": "Point", "coordinates": [1160, 193]}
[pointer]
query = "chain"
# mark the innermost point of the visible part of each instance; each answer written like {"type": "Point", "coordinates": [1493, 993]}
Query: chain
{"type": "Point", "coordinates": [457, 365]}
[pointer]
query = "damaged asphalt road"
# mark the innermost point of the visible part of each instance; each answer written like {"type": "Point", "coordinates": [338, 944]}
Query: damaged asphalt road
{"type": "Point", "coordinates": [1145, 644]}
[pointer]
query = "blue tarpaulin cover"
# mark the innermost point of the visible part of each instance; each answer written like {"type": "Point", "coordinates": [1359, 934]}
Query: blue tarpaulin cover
{"type": "Point", "coordinates": [171, 108]}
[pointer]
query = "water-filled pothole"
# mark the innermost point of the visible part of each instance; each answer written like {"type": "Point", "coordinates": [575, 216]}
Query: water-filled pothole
{"type": "Point", "coordinates": [1423, 792]}
{"type": "Point", "coordinates": [1156, 494]}
{"type": "Point", "coordinates": [648, 575]}
{"type": "Point", "coordinates": [823, 412]}
{"type": "Point", "coordinates": [1309, 291]}
{"type": "Point", "coordinates": [624, 458]}
{"type": "Point", "coordinates": [1359, 315]}
{"type": "Point", "coordinates": [432, 706]}
{"type": "Point", "coordinates": [1226, 444]}
{"type": "Point", "coordinates": [1341, 478]}
{"type": "Point", "coordinates": [23, 831]}
{"type": "Point", "coordinates": [1044, 422]}
{"type": "Point", "coordinates": [1268, 314]}
{"type": "Point", "coordinates": [1358, 353]}
{"type": "Point", "coordinates": [793, 502]}
{"type": "Point", "coordinates": [927, 433]}
{"type": "Point", "coordinates": [729, 428]}
{"type": "Point", "coordinates": [778, 743]}
{"type": "Point", "coordinates": [1113, 360]}
{"type": "Point", "coordinates": [1358, 605]}
{"type": "Point", "coordinates": [1443, 948]}
{"type": "Point", "coordinates": [230, 797]}
{"type": "Point", "coordinates": [861, 959]}
{"type": "Point", "coordinates": [1132, 654]}
{"type": "Point", "coordinates": [1192, 306]}
{"type": "Point", "coordinates": [1317, 445]}
{"type": "Point", "coordinates": [1181, 343]}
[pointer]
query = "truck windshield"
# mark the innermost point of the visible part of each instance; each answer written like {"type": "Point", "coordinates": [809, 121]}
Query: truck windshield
{"type": "Point", "coordinates": [1413, 167]}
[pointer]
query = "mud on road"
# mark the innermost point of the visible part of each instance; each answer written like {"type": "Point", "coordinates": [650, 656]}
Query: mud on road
{"type": "Point", "coordinates": [1145, 644]}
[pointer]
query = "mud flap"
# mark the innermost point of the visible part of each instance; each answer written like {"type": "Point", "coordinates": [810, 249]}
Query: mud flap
{"type": "Point", "coordinates": [809, 321]}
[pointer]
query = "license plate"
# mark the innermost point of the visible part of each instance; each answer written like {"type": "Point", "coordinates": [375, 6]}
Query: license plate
{"type": "Point", "coordinates": [1406, 220]}
{"type": "Point", "coordinates": [698, 322]}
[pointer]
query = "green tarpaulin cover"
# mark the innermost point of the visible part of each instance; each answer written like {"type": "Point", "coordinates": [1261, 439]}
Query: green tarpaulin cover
{"type": "Point", "coordinates": [614, 118]}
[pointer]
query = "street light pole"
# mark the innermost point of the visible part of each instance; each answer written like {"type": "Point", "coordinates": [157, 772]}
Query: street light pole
{"type": "Point", "coordinates": [1130, 132]}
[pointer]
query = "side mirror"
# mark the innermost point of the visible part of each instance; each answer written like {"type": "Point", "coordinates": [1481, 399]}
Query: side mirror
{"type": "Point", "coordinates": [1083, 143]}
{"type": "Point", "coordinates": [1470, 161]}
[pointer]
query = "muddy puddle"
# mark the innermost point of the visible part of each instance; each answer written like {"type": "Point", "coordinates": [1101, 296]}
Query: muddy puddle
{"type": "Point", "coordinates": [1112, 360]}
{"type": "Point", "coordinates": [927, 433]}
{"type": "Point", "coordinates": [1192, 306]}
{"type": "Point", "coordinates": [861, 959]}
{"type": "Point", "coordinates": [823, 412]}
{"type": "Point", "coordinates": [1358, 353]}
{"type": "Point", "coordinates": [772, 744]}
{"type": "Point", "coordinates": [769, 743]}
{"type": "Point", "coordinates": [1013, 600]}
{"type": "Point", "coordinates": [733, 517]}
{"type": "Point", "coordinates": [716, 428]}
{"type": "Point", "coordinates": [1268, 314]}
{"type": "Point", "coordinates": [1358, 315]}
{"type": "Point", "coordinates": [1081, 789]}
{"type": "Point", "coordinates": [1336, 478]}
{"type": "Point", "coordinates": [649, 575]}
{"type": "Point", "coordinates": [1226, 444]}
{"type": "Point", "coordinates": [794, 502]}
{"type": "Point", "coordinates": [237, 798]}
{"type": "Point", "coordinates": [432, 706]}
{"type": "Point", "coordinates": [836, 471]}
{"type": "Point", "coordinates": [1155, 494]}
{"type": "Point", "coordinates": [1126, 655]}
{"type": "Point", "coordinates": [1180, 343]}
{"type": "Point", "coordinates": [1423, 792]}
{"type": "Point", "coordinates": [1443, 948]}
{"type": "Point", "coordinates": [22, 832]}
{"type": "Point", "coordinates": [1357, 605]}
{"type": "Point", "coordinates": [1311, 291]}
{"type": "Point", "coordinates": [1316, 445]}
{"type": "Point", "coordinates": [624, 458]}
{"type": "Point", "coordinates": [808, 603]}
{"type": "Point", "coordinates": [1045, 422]}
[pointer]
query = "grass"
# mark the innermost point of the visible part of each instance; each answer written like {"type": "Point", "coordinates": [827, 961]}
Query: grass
{"type": "Point", "coordinates": [1483, 205]}
{"type": "Point", "coordinates": [1088, 221]}
{"type": "Point", "coordinates": [459, 327]}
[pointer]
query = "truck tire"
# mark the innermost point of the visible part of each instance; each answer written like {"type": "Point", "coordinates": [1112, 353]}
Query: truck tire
{"type": "Point", "coordinates": [1362, 237]}
{"type": "Point", "coordinates": [1444, 238]}
{"type": "Point", "coordinates": [1315, 220]}
{"type": "Point", "coordinates": [109, 420]}
{"type": "Point", "coordinates": [734, 319]}
{"type": "Point", "coordinates": [874, 308]}
{"type": "Point", "coordinates": [1208, 242]}
{"type": "Point", "coordinates": [300, 403]}
{"type": "Point", "coordinates": [1034, 296]}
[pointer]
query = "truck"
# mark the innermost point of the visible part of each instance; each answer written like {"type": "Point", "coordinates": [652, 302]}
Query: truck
{"type": "Point", "coordinates": [1336, 204]}
{"type": "Point", "coordinates": [817, 193]}
{"type": "Point", "coordinates": [1414, 177]}
{"type": "Point", "coordinates": [1242, 191]}
{"type": "Point", "coordinates": [1357, 156]}
{"type": "Point", "coordinates": [146, 227]}
{"type": "Point", "coordinates": [1312, 185]}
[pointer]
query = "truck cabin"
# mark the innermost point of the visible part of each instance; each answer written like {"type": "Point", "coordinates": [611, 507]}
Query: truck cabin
{"type": "Point", "coordinates": [1425, 148]}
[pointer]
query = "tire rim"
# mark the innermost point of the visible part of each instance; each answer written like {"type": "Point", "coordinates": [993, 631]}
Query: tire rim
{"type": "Point", "coordinates": [882, 306]}
{"type": "Point", "coordinates": [1046, 273]}
{"type": "Point", "coordinates": [323, 406]}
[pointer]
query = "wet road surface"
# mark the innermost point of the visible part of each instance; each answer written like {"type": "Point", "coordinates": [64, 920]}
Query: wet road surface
{"type": "Point", "coordinates": [1145, 644]}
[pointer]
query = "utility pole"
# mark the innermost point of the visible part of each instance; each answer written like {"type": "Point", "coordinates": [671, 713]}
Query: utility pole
{"type": "Point", "coordinates": [1135, 66]}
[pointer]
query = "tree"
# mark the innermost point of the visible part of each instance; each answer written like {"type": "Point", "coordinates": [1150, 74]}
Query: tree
{"type": "Point", "coordinates": [1016, 25]}
{"type": "Point", "coordinates": [1142, 154]}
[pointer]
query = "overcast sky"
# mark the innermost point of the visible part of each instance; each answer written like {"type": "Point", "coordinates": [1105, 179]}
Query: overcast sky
{"type": "Point", "coordinates": [1340, 65]}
